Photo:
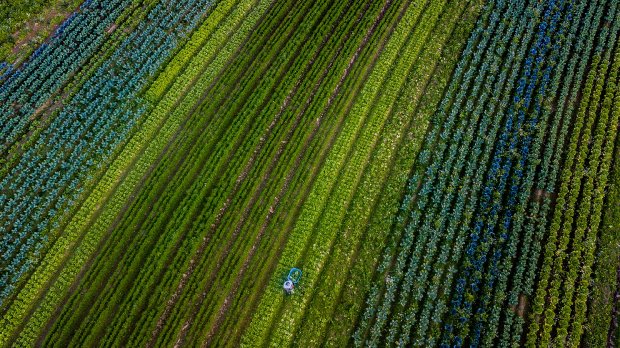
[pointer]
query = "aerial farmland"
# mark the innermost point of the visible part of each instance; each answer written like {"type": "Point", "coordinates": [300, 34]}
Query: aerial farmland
{"type": "Point", "coordinates": [305, 173]}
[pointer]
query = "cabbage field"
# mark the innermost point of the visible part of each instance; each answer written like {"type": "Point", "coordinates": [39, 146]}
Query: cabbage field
{"type": "Point", "coordinates": [441, 172]}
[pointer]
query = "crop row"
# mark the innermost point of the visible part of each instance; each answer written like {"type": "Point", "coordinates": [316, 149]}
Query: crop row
{"type": "Point", "coordinates": [588, 127]}
{"type": "Point", "coordinates": [90, 209]}
{"type": "Point", "coordinates": [199, 150]}
{"type": "Point", "coordinates": [51, 172]}
{"type": "Point", "coordinates": [334, 161]}
{"type": "Point", "coordinates": [222, 261]}
{"type": "Point", "coordinates": [136, 295]}
{"type": "Point", "coordinates": [225, 249]}
{"type": "Point", "coordinates": [301, 177]}
{"type": "Point", "coordinates": [494, 219]}
{"type": "Point", "coordinates": [467, 191]}
{"type": "Point", "coordinates": [392, 280]}
{"type": "Point", "coordinates": [537, 209]}
{"type": "Point", "coordinates": [125, 24]}
{"type": "Point", "coordinates": [74, 41]}
{"type": "Point", "coordinates": [562, 200]}
{"type": "Point", "coordinates": [228, 195]}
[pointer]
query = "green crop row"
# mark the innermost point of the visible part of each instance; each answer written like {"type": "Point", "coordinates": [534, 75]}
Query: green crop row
{"type": "Point", "coordinates": [297, 183]}
{"type": "Point", "coordinates": [203, 224]}
{"type": "Point", "coordinates": [181, 60]}
{"type": "Point", "coordinates": [336, 159]}
{"type": "Point", "coordinates": [226, 262]}
{"type": "Point", "coordinates": [582, 292]}
{"type": "Point", "coordinates": [399, 127]}
{"type": "Point", "coordinates": [550, 249]}
{"type": "Point", "coordinates": [197, 164]}
{"type": "Point", "coordinates": [90, 209]}
{"type": "Point", "coordinates": [607, 256]}
{"type": "Point", "coordinates": [121, 332]}
{"type": "Point", "coordinates": [588, 217]}
{"type": "Point", "coordinates": [564, 227]}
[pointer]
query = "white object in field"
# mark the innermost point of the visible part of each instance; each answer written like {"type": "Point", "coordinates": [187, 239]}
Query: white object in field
{"type": "Point", "coordinates": [294, 275]}
{"type": "Point", "coordinates": [289, 286]}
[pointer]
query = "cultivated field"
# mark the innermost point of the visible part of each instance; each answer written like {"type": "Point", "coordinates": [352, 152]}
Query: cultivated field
{"type": "Point", "coordinates": [443, 173]}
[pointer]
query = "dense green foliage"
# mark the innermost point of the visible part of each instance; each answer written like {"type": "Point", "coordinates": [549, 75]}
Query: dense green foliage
{"type": "Point", "coordinates": [605, 288]}
{"type": "Point", "coordinates": [443, 172]}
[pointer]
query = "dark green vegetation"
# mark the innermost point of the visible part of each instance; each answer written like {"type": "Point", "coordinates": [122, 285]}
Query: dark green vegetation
{"type": "Point", "coordinates": [24, 25]}
{"type": "Point", "coordinates": [443, 172]}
